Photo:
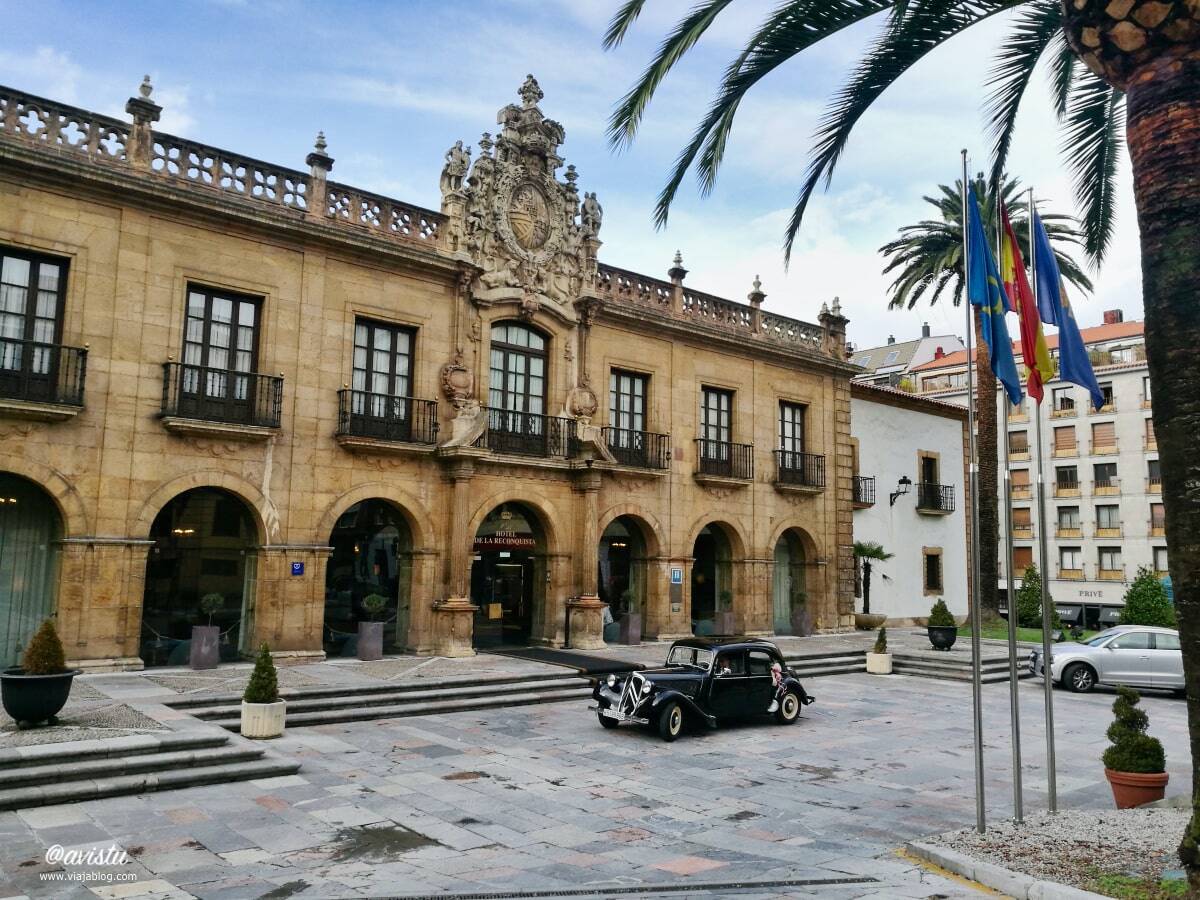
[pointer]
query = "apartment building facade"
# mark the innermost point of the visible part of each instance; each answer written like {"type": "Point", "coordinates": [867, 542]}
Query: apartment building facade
{"type": "Point", "coordinates": [1103, 491]}
{"type": "Point", "coordinates": [221, 376]}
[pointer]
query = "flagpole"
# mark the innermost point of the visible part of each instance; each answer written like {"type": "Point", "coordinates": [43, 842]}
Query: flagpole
{"type": "Point", "coordinates": [1014, 709]}
{"type": "Point", "coordinates": [973, 529]}
{"type": "Point", "coordinates": [1043, 553]}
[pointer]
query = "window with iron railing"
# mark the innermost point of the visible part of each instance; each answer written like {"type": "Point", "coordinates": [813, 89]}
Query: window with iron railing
{"type": "Point", "coordinates": [802, 469]}
{"type": "Point", "coordinates": [864, 490]}
{"type": "Point", "coordinates": [933, 497]}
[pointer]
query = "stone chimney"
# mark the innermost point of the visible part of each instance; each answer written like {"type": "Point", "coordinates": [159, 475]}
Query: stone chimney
{"type": "Point", "coordinates": [1113, 316]}
{"type": "Point", "coordinates": [320, 165]}
{"type": "Point", "coordinates": [891, 339]}
{"type": "Point", "coordinates": [145, 112]}
{"type": "Point", "coordinates": [677, 273]}
{"type": "Point", "coordinates": [924, 329]}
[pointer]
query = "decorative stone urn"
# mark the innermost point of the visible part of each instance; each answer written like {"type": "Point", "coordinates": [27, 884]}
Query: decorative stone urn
{"type": "Point", "coordinates": [263, 720]}
{"type": "Point", "coordinates": [453, 627]}
{"type": "Point", "coordinates": [585, 623]}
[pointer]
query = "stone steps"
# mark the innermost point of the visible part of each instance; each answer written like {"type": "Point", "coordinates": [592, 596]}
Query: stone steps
{"type": "Point", "coordinates": [816, 665]}
{"type": "Point", "coordinates": [993, 669]}
{"type": "Point", "coordinates": [72, 772]}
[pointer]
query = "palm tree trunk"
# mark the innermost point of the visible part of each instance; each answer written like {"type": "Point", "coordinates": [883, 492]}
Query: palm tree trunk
{"type": "Point", "coordinates": [866, 588]}
{"type": "Point", "coordinates": [989, 519]}
{"type": "Point", "coordinates": [1163, 133]}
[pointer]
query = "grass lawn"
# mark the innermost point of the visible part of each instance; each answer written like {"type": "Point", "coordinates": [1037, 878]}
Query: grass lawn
{"type": "Point", "coordinates": [999, 631]}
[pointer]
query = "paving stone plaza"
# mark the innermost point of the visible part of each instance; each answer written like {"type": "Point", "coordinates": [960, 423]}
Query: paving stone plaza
{"type": "Point", "coordinates": [540, 798]}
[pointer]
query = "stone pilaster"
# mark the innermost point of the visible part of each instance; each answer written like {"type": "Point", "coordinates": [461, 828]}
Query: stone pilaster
{"type": "Point", "coordinates": [453, 617]}
{"type": "Point", "coordinates": [756, 614]}
{"type": "Point", "coordinates": [839, 572]}
{"type": "Point", "coordinates": [421, 594]}
{"type": "Point", "coordinates": [320, 165]}
{"type": "Point", "coordinates": [586, 611]}
{"type": "Point", "coordinates": [289, 610]}
{"type": "Point", "coordinates": [101, 584]}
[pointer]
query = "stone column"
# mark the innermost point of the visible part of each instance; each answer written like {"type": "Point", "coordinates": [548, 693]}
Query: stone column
{"type": "Point", "coordinates": [101, 583]}
{"type": "Point", "coordinates": [422, 590]}
{"type": "Point", "coordinates": [756, 614]}
{"type": "Point", "coordinates": [320, 165]}
{"type": "Point", "coordinates": [454, 616]}
{"type": "Point", "coordinates": [586, 623]}
{"type": "Point", "coordinates": [140, 149]}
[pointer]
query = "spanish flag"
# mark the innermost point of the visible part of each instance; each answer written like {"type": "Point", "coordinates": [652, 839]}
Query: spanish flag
{"type": "Point", "coordinates": [1038, 366]}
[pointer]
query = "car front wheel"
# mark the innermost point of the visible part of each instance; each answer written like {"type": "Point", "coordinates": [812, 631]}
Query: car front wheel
{"type": "Point", "coordinates": [789, 709]}
{"type": "Point", "coordinates": [1079, 678]}
{"type": "Point", "coordinates": [670, 722]}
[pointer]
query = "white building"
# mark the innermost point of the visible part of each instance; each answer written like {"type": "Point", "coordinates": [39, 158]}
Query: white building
{"type": "Point", "coordinates": [892, 363]}
{"type": "Point", "coordinates": [1103, 491]}
{"type": "Point", "coordinates": [910, 493]}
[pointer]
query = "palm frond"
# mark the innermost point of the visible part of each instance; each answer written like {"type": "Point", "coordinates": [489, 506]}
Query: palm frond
{"type": "Point", "coordinates": [1092, 135]}
{"type": "Point", "coordinates": [1062, 73]}
{"type": "Point", "coordinates": [1036, 26]}
{"type": "Point", "coordinates": [909, 37]}
{"type": "Point", "coordinates": [625, 120]}
{"type": "Point", "coordinates": [622, 22]}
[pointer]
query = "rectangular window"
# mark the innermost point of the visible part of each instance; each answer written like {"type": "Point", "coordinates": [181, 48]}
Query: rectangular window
{"type": "Point", "coordinates": [716, 415]}
{"type": "Point", "coordinates": [1064, 438]}
{"type": "Point", "coordinates": [1110, 558]}
{"type": "Point", "coordinates": [382, 364]}
{"type": "Point", "coordinates": [220, 347]}
{"type": "Point", "coordinates": [1106, 389]}
{"type": "Point", "coordinates": [1070, 558]}
{"type": "Point", "coordinates": [1020, 478]}
{"type": "Point", "coordinates": [1105, 474]}
{"type": "Point", "coordinates": [1066, 476]}
{"type": "Point", "coordinates": [1160, 559]}
{"type": "Point", "coordinates": [1022, 518]}
{"type": "Point", "coordinates": [1150, 438]}
{"type": "Point", "coordinates": [1108, 516]}
{"type": "Point", "coordinates": [1146, 388]}
{"type": "Point", "coordinates": [627, 401]}
{"type": "Point", "coordinates": [1064, 399]}
{"type": "Point", "coordinates": [32, 289]}
{"type": "Point", "coordinates": [928, 468]}
{"type": "Point", "coordinates": [933, 571]}
{"type": "Point", "coordinates": [791, 427]}
{"type": "Point", "coordinates": [1068, 517]}
{"type": "Point", "coordinates": [1158, 516]}
{"type": "Point", "coordinates": [1104, 435]}
{"type": "Point", "coordinates": [1018, 442]}
{"type": "Point", "coordinates": [1152, 470]}
{"type": "Point", "coordinates": [1022, 559]}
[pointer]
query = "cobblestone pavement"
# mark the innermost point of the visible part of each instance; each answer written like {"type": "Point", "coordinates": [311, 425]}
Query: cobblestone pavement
{"type": "Point", "coordinates": [541, 798]}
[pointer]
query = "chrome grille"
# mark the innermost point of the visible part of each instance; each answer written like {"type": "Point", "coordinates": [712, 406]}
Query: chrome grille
{"type": "Point", "coordinates": [631, 696]}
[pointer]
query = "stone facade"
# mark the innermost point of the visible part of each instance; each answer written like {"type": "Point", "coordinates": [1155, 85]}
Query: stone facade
{"type": "Point", "coordinates": [140, 221]}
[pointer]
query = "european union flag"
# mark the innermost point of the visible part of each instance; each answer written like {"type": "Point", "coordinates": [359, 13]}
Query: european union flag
{"type": "Point", "coordinates": [1074, 364]}
{"type": "Point", "coordinates": [984, 291]}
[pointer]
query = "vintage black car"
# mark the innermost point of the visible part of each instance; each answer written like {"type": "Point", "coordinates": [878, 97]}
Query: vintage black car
{"type": "Point", "coordinates": [704, 681]}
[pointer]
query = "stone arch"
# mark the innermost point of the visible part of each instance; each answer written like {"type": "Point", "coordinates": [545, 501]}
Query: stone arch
{"type": "Point", "coordinates": [412, 509]}
{"type": "Point", "coordinates": [261, 509]}
{"type": "Point", "coordinates": [70, 504]}
{"type": "Point", "coordinates": [812, 550]}
{"type": "Point", "coordinates": [652, 530]}
{"type": "Point", "coordinates": [545, 513]}
{"type": "Point", "coordinates": [733, 531]}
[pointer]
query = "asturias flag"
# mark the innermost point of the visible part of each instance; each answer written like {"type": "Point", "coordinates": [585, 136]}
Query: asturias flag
{"type": "Point", "coordinates": [1073, 362]}
{"type": "Point", "coordinates": [984, 291]}
{"type": "Point", "coordinates": [1038, 366]}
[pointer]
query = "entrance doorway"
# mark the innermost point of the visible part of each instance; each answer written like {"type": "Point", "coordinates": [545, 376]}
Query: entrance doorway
{"type": "Point", "coordinates": [507, 576]}
{"type": "Point", "coordinates": [204, 544]}
{"type": "Point", "coordinates": [788, 588]}
{"type": "Point", "coordinates": [372, 554]}
{"type": "Point", "coordinates": [621, 572]}
{"type": "Point", "coordinates": [712, 579]}
{"type": "Point", "coordinates": [30, 528]}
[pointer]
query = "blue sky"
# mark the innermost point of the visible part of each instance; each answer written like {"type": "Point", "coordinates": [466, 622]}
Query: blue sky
{"type": "Point", "coordinates": [393, 84]}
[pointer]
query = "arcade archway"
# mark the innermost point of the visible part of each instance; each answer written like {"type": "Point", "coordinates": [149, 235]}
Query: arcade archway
{"type": "Point", "coordinates": [621, 566]}
{"type": "Point", "coordinates": [372, 554]}
{"type": "Point", "coordinates": [30, 527]}
{"type": "Point", "coordinates": [712, 581]}
{"type": "Point", "coordinates": [790, 614]}
{"type": "Point", "coordinates": [508, 575]}
{"type": "Point", "coordinates": [204, 544]}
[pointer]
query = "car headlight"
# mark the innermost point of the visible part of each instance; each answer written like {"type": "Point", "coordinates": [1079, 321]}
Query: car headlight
{"type": "Point", "coordinates": [612, 681]}
{"type": "Point", "coordinates": [645, 688]}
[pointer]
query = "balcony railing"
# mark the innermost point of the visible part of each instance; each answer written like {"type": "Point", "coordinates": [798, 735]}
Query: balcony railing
{"type": "Point", "coordinates": [1068, 531]}
{"type": "Point", "coordinates": [1111, 574]}
{"type": "Point", "coordinates": [1108, 532]}
{"type": "Point", "coordinates": [1154, 484]}
{"type": "Point", "coordinates": [1023, 532]}
{"type": "Point", "coordinates": [864, 490]}
{"type": "Point", "coordinates": [219, 395]}
{"type": "Point", "coordinates": [1063, 412]}
{"type": "Point", "coordinates": [1066, 489]}
{"type": "Point", "coordinates": [386, 417]}
{"type": "Point", "coordinates": [1104, 449]}
{"type": "Point", "coordinates": [1149, 442]}
{"type": "Point", "coordinates": [1022, 491]}
{"type": "Point", "coordinates": [42, 373]}
{"type": "Point", "coordinates": [1018, 451]}
{"type": "Point", "coordinates": [1106, 486]}
{"type": "Point", "coordinates": [800, 469]}
{"type": "Point", "coordinates": [1070, 574]}
{"type": "Point", "coordinates": [1157, 529]}
{"type": "Point", "coordinates": [724, 459]}
{"type": "Point", "coordinates": [933, 497]}
{"type": "Point", "coordinates": [1072, 450]}
{"type": "Point", "coordinates": [528, 434]}
{"type": "Point", "coordinates": [642, 449]}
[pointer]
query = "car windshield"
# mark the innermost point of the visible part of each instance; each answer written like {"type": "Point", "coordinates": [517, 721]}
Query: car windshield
{"type": "Point", "coordinates": [690, 656]}
{"type": "Point", "coordinates": [1101, 638]}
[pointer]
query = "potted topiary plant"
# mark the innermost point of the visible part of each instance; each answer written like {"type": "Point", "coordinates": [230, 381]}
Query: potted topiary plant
{"type": "Point", "coordinates": [631, 620]}
{"type": "Point", "coordinates": [879, 661]}
{"type": "Point", "coordinates": [262, 708]}
{"type": "Point", "coordinates": [724, 621]}
{"type": "Point", "coordinates": [1135, 764]}
{"type": "Point", "coordinates": [205, 651]}
{"type": "Point", "coordinates": [370, 632]}
{"type": "Point", "coordinates": [37, 690]}
{"type": "Point", "coordinates": [942, 629]}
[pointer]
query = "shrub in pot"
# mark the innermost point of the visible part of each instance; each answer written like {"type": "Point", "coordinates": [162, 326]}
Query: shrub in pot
{"type": "Point", "coordinates": [723, 619]}
{"type": "Point", "coordinates": [370, 632]}
{"type": "Point", "coordinates": [879, 661]}
{"type": "Point", "coordinates": [262, 708]}
{"type": "Point", "coordinates": [1135, 764]}
{"type": "Point", "coordinates": [37, 690]}
{"type": "Point", "coordinates": [205, 650]}
{"type": "Point", "coordinates": [941, 628]}
{"type": "Point", "coordinates": [631, 619]}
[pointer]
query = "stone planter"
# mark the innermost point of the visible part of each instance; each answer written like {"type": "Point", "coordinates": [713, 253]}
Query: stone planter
{"type": "Point", "coordinates": [30, 699]}
{"type": "Point", "coordinates": [942, 636]}
{"type": "Point", "coordinates": [263, 720]}
{"type": "Point", "coordinates": [868, 621]}
{"type": "Point", "coordinates": [205, 651]}
{"type": "Point", "coordinates": [724, 623]}
{"type": "Point", "coordinates": [630, 629]}
{"type": "Point", "coordinates": [879, 663]}
{"type": "Point", "coordinates": [370, 641]}
{"type": "Point", "coordinates": [1132, 789]}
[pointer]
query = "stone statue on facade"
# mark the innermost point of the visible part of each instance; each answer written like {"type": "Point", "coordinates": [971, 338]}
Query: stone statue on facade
{"type": "Point", "coordinates": [592, 215]}
{"type": "Point", "coordinates": [458, 161]}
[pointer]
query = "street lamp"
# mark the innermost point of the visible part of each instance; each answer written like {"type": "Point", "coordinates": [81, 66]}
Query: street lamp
{"type": "Point", "coordinates": [902, 488]}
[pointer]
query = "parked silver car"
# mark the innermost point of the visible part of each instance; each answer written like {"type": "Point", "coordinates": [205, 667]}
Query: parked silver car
{"type": "Point", "coordinates": [1134, 655]}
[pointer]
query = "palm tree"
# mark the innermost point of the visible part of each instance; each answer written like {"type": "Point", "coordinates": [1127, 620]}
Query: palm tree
{"type": "Point", "coordinates": [868, 552]}
{"type": "Point", "coordinates": [1135, 58]}
{"type": "Point", "coordinates": [928, 256]}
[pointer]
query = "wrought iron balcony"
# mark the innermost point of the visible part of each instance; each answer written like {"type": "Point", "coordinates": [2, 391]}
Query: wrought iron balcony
{"type": "Point", "coordinates": [724, 459]}
{"type": "Point", "coordinates": [935, 498]}
{"type": "Point", "coordinates": [799, 469]}
{"type": "Point", "coordinates": [387, 418]}
{"type": "Point", "coordinates": [643, 449]}
{"type": "Point", "coordinates": [42, 373]}
{"type": "Point", "coordinates": [1063, 488]}
{"type": "Point", "coordinates": [219, 395]}
{"type": "Point", "coordinates": [864, 490]}
{"type": "Point", "coordinates": [528, 434]}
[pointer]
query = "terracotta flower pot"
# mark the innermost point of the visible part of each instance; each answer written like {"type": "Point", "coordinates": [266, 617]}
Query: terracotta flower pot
{"type": "Point", "coordinates": [1132, 789]}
